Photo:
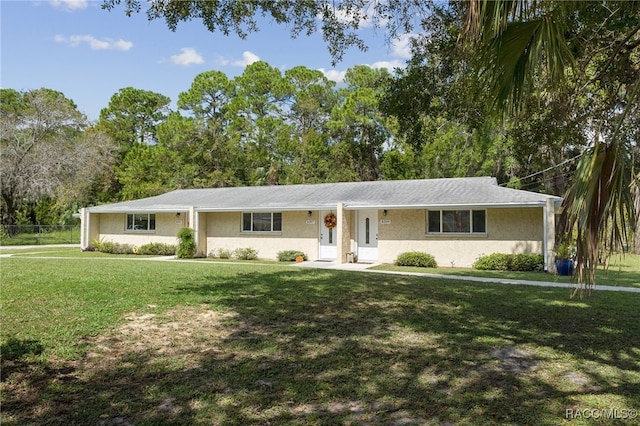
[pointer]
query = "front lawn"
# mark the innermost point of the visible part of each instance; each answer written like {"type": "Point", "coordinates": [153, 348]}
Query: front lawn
{"type": "Point", "coordinates": [96, 340]}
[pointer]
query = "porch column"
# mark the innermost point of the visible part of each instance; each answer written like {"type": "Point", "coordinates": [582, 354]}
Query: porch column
{"type": "Point", "coordinates": [84, 229]}
{"type": "Point", "coordinates": [201, 234]}
{"type": "Point", "coordinates": [549, 217]}
{"type": "Point", "coordinates": [343, 243]}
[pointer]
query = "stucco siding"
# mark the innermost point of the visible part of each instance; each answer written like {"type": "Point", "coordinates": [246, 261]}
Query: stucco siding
{"type": "Point", "coordinates": [112, 228]}
{"type": "Point", "coordinates": [299, 232]}
{"type": "Point", "coordinates": [509, 230]}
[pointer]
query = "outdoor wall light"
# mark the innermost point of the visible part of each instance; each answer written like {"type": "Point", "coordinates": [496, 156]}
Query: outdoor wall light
{"type": "Point", "coordinates": [178, 214]}
{"type": "Point", "coordinates": [384, 212]}
{"type": "Point", "coordinates": [309, 213]}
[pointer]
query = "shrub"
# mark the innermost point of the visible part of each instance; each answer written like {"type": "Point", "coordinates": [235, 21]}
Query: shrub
{"type": "Point", "coordinates": [510, 262]}
{"type": "Point", "coordinates": [186, 244]}
{"type": "Point", "coordinates": [114, 248]}
{"type": "Point", "coordinates": [158, 249]}
{"type": "Point", "coordinates": [493, 262]}
{"type": "Point", "coordinates": [527, 262]}
{"type": "Point", "coordinates": [416, 258]}
{"type": "Point", "coordinates": [290, 255]}
{"type": "Point", "coordinates": [246, 253]}
{"type": "Point", "coordinates": [224, 253]}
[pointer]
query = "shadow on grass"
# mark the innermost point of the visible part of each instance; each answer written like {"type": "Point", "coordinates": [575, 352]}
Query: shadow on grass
{"type": "Point", "coordinates": [328, 347]}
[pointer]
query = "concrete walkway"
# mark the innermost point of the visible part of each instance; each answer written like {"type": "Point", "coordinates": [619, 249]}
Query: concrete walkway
{"type": "Point", "coordinates": [363, 267]}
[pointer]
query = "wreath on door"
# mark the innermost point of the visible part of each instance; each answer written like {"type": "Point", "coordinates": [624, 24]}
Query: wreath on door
{"type": "Point", "coordinates": [330, 221]}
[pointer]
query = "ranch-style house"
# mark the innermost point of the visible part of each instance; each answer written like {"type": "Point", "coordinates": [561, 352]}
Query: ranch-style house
{"type": "Point", "coordinates": [456, 220]}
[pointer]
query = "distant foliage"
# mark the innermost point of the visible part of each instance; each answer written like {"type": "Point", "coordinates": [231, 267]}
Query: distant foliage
{"type": "Point", "coordinates": [290, 255]}
{"type": "Point", "coordinates": [186, 244]}
{"type": "Point", "coordinates": [245, 253]}
{"type": "Point", "coordinates": [510, 262]}
{"type": "Point", "coordinates": [416, 258]}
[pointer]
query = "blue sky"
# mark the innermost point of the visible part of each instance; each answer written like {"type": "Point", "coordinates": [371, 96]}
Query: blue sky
{"type": "Point", "coordinates": [88, 54]}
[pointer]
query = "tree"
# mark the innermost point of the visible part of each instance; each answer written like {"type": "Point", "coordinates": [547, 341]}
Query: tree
{"type": "Point", "coordinates": [523, 46]}
{"type": "Point", "coordinates": [47, 150]}
{"type": "Point", "coordinates": [339, 20]}
{"type": "Point", "coordinates": [132, 117]}
{"type": "Point", "coordinates": [357, 124]}
{"type": "Point", "coordinates": [446, 127]}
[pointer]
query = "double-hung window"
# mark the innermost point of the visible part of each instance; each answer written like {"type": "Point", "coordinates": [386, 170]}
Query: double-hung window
{"type": "Point", "coordinates": [261, 222]}
{"type": "Point", "coordinates": [457, 221]}
{"type": "Point", "coordinates": [141, 222]}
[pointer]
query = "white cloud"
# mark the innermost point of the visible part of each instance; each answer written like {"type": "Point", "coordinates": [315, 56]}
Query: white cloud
{"type": "Point", "coordinates": [222, 61]}
{"type": "Point", "coordinates": [247, 59]}
{"type": "Point", "coordinates": [70, 5]}
{"type": "Point", "coordinates": [189, 56]}
{"type": "Point", "coordinates": [401, 48]}
{"type": "Point", "coordinates": [94, 43]}
{"type": "Point", "coordinates": [389, 65]}
{"type": "Point", "coordinates": [334, 75]}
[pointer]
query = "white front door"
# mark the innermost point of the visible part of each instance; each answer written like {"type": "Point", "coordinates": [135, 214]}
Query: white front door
{"type": "Point", "coordinates": [368, 235]}
{"type": "Point", "coordinates": [328, 239]}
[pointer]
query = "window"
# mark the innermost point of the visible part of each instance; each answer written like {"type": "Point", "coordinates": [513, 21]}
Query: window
{"type": "Point", "coordinates": [457, 221]}
{"type": "Point", "coordinates": [261, 222]}
{"type": "Point", "coordinates": [141, 222]}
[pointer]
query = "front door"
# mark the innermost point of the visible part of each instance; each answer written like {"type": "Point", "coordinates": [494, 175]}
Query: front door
{"type": "Point", "coordinates": [368, 235]}
{"type": "Point", "coordinates": [328, 239]}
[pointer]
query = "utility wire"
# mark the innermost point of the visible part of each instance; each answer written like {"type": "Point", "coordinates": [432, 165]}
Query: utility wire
{"type": "Point", "coordinates": [548, 168]}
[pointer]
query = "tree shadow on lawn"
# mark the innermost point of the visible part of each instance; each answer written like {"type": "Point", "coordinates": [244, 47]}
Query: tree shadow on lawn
{"type": "Point", "coordinates": [311, 347]}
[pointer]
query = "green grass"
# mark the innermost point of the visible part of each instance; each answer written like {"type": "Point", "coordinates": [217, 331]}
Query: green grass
{"type": "Point", "coordinates": [623, 271]}
{"type": "Point", "coordinates": [69, 236]}
{"type": "Point", "coordinates": [98, 340]}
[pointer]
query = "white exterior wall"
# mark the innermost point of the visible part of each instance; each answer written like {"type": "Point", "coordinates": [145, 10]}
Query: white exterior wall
{"type": "Point", "coordinates": [509, 230]}
{"type": "Point", "coordinates": [299, 232]}
{"type": "Point", "coordinates": [112, 227]}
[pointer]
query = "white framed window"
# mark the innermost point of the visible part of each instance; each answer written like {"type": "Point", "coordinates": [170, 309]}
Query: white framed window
{"type": "Point", "coordinates": [456, 221]}
{"type": "Point", "coordinates": [262, 222]}
{"type": "Point", "coordinates": [141, 222]}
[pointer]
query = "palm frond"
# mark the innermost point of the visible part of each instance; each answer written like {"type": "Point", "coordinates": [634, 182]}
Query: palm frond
{"type": "Point", "coordinates": [597, 205]}
{"type": "Point", "coordinates": [513, 56]}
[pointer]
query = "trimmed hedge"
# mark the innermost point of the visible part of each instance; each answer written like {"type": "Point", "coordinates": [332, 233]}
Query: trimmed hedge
{"type": "Point", "coordinates": [416, 258]}
{"type": "Point", "coordinates": [158, 249]}
{"type": "Point", "coordinates": [154, 249]}
{"type": "Point", "coordinates": [290, 255]}
{"type": "Point", "coordinates": [510, 262]}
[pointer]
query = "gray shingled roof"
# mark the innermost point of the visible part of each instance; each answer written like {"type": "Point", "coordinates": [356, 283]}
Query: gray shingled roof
{"type": "Point", "coordinates": [421, 193]}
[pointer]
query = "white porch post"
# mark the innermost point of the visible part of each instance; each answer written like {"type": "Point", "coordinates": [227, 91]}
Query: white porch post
{"type": "Point", "coordinates": [84, 228]}
{"type": "Point", "coordinates": [549, 213]}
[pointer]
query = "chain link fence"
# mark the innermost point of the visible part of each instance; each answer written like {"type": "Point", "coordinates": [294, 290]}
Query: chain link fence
{"type": "Point", "coordinates": [20, 235]}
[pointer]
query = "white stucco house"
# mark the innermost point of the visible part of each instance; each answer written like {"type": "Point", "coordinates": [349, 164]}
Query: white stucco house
{"type": "Point", "coordinates": [456, 220]}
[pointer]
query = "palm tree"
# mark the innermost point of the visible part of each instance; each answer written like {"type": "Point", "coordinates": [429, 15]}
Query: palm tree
{"type": "Point", "coordinates": [543, 45]}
